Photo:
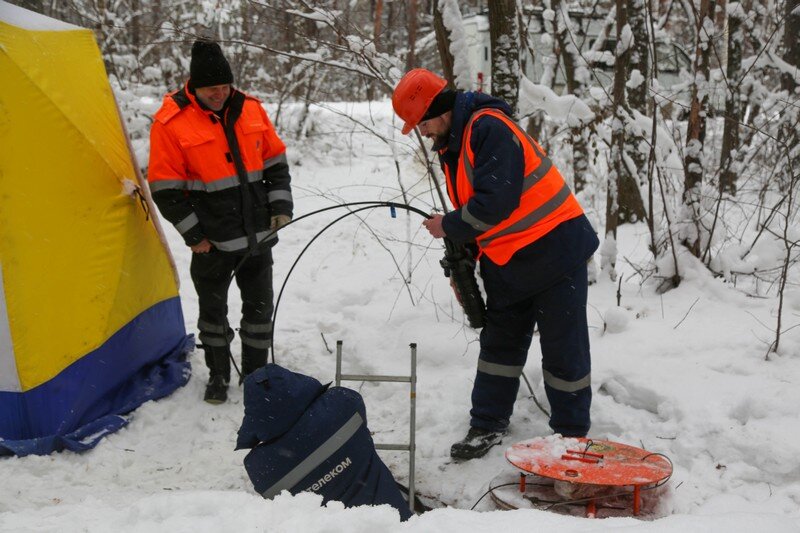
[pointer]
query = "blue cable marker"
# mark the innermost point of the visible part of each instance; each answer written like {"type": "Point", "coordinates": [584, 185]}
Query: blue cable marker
{"type": "Point", "coordinates": [393, 211]}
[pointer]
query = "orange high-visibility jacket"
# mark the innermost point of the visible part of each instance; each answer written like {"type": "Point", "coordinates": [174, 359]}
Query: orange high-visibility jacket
{"type": "Point", "coordinates": [219, 178]}
{"type": "Point", "coordinates": [545, 203]}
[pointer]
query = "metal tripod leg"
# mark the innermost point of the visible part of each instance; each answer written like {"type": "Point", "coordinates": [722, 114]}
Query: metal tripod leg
{"type": "Point", "coordinates": [411, 447]}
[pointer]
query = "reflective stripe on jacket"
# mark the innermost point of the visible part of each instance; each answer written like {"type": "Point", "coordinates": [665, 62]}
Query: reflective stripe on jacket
{"type": "Point", "coordinates": [545, 202]}
{"type": "Point", "coordinates": [304, 436]}
{"type": "Point", "coordinates": [219, 179]}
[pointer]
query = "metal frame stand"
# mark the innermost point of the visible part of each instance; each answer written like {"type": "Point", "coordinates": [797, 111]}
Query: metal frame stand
{"type": "Point", "coordinates": [411, 447]}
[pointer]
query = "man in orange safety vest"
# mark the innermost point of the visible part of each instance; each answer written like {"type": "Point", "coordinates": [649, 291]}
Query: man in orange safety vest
{"type": "Point", "coordinates": [218, 172]}
{"type": "Point", "coordinates": [533, 242]}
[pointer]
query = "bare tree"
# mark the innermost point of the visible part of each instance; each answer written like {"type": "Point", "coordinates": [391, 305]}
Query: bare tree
{"type": "Point", "coordinates": [376, 28]}
{"type": "Point", "coordinates": [639, 57]}
{"type": "Point", "coordinates": [631, 204]}
{"type": "Point", "coordinates": [733, 106]}
{"type": "Point", "coordinates": [696, 129]}
{"type": "Point", "coordinates": [411, 24]}
{"type": "Point", "coordinates": [789, 80]}
{"type": "Point", "coordinates": [617, 140]}
{"type": "Point", "coordinates": [443, 44]}
{"type": "Point", "coordinates": [503, 35]}
{"type": "Point", "coordinates": [791, 43]}
{"type": "Point", "coordinates": [565, 38]}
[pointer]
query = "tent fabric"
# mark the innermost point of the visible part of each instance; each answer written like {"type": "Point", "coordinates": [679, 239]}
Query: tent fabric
{"type": "Point", "coordinates": [90, 320]}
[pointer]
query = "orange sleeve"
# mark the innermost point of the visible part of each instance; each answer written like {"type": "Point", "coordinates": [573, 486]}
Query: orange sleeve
{"type": "Point", "coordinates": [166, 157]}
{"type": "Point", "coordinates": [273, 145]}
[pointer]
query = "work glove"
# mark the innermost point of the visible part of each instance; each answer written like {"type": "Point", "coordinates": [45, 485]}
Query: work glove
{"type": "Point", "coordinates": [276, 222]}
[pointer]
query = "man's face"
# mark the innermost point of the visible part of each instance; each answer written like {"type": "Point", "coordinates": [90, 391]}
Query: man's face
{"type": "Point", "coordinates": [437, 128]}
{"type": "Point", "coordinates": [213, 97]}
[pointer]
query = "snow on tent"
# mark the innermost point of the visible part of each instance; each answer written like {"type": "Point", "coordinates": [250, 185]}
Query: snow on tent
{"type": "Point", "coordinates": [91, 325]}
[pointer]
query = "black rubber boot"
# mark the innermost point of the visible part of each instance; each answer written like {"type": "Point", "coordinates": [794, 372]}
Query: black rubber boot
{"type": "Point", "coordinates": [219, 366]}
{"type": "Point", "coordinates": [476, 443]}
{"type": "Point", "coordinates": [216, 390]}
{"type": "Point", "coordinates": [252, 359]}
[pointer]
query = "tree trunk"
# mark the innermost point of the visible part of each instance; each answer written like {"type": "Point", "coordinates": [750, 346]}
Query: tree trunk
{"type": "Point", "coordinates": [376, 34]}
{"type": "Point", "coordinates": [625, 197]}
{"type": "Point", "coordinates": [569, 53]}
{"type": "Point", "coordinates": [791, 43]}
{"type": "Point", "coordinates": [389, 45]}
{"type": "Point", "coordinates": [639, 58]}
{"type": "Point", "coordinates": [504, 36]}
{"type": "Point", "coordinates": [733, 107]}
{"type": "Point", "coordinates": [443, 45]}
{"type": "Point", "coordinates": [617, 142]}
{"type": "Point", "coordinates": [136, 25]}
{"type": "Point", "coordinates": [696, 129]}
{"type": "Point", "coordinates": [411, 24]}
{"type": "Point", "coordinates": [631, 204]}
{"type": "Point", "coordinates": [789, 131]}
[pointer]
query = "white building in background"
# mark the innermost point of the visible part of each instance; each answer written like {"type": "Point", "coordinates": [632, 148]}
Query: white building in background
{"type": "Point", "coordinates": [671, 59]}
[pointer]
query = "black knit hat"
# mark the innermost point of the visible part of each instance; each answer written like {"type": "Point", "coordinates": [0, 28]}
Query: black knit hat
{"type": "Point", "coordinates": [208, 67]}
{"type": "Point", "coordinates": [441, 104]}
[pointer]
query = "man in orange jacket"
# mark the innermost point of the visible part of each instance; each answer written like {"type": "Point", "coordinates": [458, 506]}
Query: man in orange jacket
{"type": "Point", "coordinates": [218, 172]}
{"type": "Point", "coordinates": [533, 242]}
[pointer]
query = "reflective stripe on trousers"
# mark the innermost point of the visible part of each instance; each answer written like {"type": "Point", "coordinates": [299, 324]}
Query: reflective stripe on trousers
{"type": "Point", "coordinates": [564, 385]}
{"type": "Point", "coordinates": [214, 335]}
{"type": "Point", "coordinates": [560, 312]}
{"type": "Point", "coordinates": [256, 335]}
{"type": "Point", "coordinates": [496, 369]}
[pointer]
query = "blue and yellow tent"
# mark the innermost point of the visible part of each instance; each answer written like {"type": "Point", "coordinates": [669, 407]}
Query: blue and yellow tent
{"type": "Point", "coordinates": [90, 320]}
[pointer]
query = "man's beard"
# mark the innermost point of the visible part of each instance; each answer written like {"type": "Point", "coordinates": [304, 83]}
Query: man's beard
{"type": "Point", "coordinates": [439, 141]}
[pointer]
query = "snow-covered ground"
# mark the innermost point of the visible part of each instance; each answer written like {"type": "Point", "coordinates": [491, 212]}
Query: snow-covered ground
{"type": "Point", "coordinates": [683, 374]}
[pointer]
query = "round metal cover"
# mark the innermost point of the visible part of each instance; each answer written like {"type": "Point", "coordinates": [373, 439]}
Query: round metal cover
{"type": "Point", "coordinates": [588, 461]}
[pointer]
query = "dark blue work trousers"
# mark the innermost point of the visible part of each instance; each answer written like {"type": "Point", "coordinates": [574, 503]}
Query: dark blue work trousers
{"type": "Point", "coordinates": [211, 274]}
{"type": "Point", "coordinates": [560, 313]}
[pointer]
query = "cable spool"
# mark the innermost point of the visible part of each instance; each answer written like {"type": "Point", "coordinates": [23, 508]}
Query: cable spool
{"type": "Point", "coordinates": [597, 476]}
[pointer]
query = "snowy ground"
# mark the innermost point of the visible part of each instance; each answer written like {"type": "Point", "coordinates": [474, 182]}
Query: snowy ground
{"type": "Point", "coordinates": [683, 374]}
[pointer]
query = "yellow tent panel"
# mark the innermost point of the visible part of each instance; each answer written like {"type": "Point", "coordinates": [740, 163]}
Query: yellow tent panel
{"type": "Point", "coordinates": [82, 262]}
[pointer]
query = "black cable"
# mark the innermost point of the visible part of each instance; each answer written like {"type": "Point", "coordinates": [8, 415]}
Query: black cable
{"type": "Point", "coordinates": [584, 500]}
{"type": "Point", "coordinates": [533, 395]}
{"type": "Point", "coordinates": [536, 501]}
{"type": "Point", "coordinates": [368, 204]}
{"type": "Point", "coordinates": [490, 490]}
{"type": "Point", "coordinates": [621, 493]}
{"type": "Point", "coordinates": [671, 470]}
{"type": "Point", "coordinates": [373, 205]}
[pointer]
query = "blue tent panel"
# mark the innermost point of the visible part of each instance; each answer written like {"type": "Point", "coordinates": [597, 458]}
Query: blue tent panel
{"type": "Point", "coordinates": [145, 360]}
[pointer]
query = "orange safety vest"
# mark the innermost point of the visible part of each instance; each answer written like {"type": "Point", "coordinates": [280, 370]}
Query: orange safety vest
{"type": "Point", "coordinates": [545, 203]}
{"type": "Point", "coordinates": [218, 168]}
{"type": "Point", "coordinates": [195, 150]}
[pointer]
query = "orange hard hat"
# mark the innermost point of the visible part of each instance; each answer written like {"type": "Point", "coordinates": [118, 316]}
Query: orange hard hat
{"type": "Point", "coordinates": [413, 96]}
